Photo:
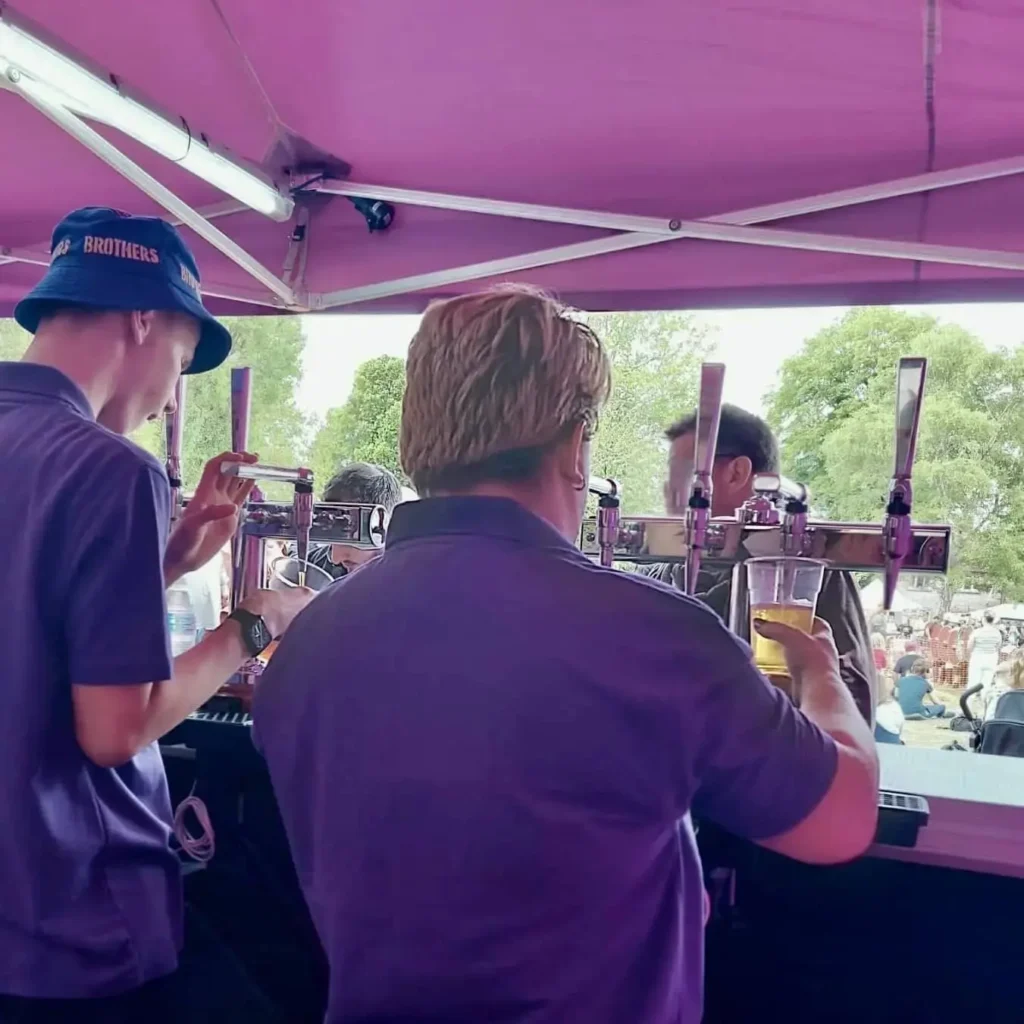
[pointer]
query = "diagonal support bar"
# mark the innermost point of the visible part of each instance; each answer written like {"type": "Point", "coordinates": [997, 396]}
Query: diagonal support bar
{"type": "Point", "coordinates": [661, 225]}
{"type": "Point", "coordinates": [158, 192]}
{"type": "Point", "coordinates": [637, 232]}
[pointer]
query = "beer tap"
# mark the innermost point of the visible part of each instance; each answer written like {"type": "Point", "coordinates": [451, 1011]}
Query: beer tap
{"type": "Point", "coordinates": [897, 530]}
{"type": "Point", "coordinates": [245, 571]}
{"type": "Point", "coordinates": [173, 427]}
{"type": "Point", "coordinates": [698, 510]}
{"type": "Point", "coordinates": [241, 410]}
{"type": "Point", "coordinates": [302, 504]}
{"type": "Point", "coordinates": [608, 501]}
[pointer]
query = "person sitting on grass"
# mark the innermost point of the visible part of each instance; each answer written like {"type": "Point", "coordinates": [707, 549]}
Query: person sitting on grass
{"type": "Point", "coordinates": [888, 715]}
{"type": "Point", "coordinates": [914, 689]}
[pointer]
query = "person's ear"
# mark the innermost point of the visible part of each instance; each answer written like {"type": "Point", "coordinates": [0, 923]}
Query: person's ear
{"type": "Point", "coordinates": [571, 458]}
{"type": "Point", "coordinates": [741, 473]}
{"type": "Point", "coordinates": [140, 326]}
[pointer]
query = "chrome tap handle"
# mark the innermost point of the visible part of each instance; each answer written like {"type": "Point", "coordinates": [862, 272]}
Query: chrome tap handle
{"type": "Point", "coordinates": [174, 437]}
{"type": "Point", "coordinates": [910, 378]}
{"type": "Point", "coordinates": [909, 398]}
{"type": "Point", "coordinates": [781, 487]}
{"type": "Point", "coordinates": [698, 510]}
{"type": "Point", "coordinates": [603, 486]}
{"type": "Point", "coordinates": [241, 409]}
{"type": "Point", "coordinates": [258, 471]}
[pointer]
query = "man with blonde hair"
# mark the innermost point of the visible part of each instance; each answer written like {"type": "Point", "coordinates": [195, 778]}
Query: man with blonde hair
{"type": "Point", "coordinates": [485, 814]}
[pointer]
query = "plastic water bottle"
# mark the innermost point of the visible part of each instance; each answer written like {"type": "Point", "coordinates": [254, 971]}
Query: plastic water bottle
{"type": "Point", "coordinates": [181, 618]}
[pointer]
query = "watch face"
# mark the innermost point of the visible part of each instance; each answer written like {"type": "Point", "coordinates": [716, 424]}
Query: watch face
{"type": "Point", "coordinates": [261, 638]}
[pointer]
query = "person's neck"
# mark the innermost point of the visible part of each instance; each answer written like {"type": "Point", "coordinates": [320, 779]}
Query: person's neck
{"type": "Point", "coordinates": [533, 498]}
{"type": "Point", "coordinates": [77, 362]}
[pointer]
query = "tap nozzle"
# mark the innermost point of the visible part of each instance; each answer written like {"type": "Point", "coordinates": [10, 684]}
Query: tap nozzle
{"type": "Point", "coordinates": [698, 508]}
{"type": "Point", "coordinates": [302, 514]}
{"type": "Point", "coordinates": [608, 502]}
{"type": "Point", "coordinates": [698, 513]}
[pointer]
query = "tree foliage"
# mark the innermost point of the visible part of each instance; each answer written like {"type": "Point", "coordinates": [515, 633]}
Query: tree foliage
{"type": "Point", "coordinates": [834, 409]}
{"type": "Point", "coordinates": [365, 428]}
{"type": "Point", "coordinates": [13, 341]}
{"type": "Point", "coordinates": [272, 346]}
{"type": "Point", "coordinates": [656, 361]}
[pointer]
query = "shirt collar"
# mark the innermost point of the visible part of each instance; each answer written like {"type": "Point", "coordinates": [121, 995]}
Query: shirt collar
{"type": "Point", "coordinates": [473, 516]}
{"type": "Point", "coordinates": [45, 381]}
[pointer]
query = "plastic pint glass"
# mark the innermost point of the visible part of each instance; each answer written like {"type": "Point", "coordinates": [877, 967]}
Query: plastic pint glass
{"type": "Point", "coordinates": [781, 590]}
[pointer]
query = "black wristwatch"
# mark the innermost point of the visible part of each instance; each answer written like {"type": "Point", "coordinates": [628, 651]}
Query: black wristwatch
{"type": "Point", "coordinates": [255, 636]}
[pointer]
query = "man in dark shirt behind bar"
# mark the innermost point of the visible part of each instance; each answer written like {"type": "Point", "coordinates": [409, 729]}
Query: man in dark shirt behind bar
{"type": "Point", "coordinates": [489, 808]}
{"type": "Point", "coordinates": [90, 889]}
{"type": "Point", "coordinates": [746, 447]}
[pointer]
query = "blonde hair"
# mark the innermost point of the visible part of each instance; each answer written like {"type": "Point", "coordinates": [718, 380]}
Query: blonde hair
{"type": "Point", "coordinates": [1010, 673]}
{"type": "Point", "coordinates": [493, 380]}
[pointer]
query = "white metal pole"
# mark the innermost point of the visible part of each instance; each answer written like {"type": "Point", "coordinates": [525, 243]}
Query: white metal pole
{"type": "Point", "coordinates": [632, 240]}
{"type": "Point", "coordinates": [112, 156]}
{"type": "Point", "coordinates": [622, 222]}
{"type": "Point", "coordinates": [489, 268]}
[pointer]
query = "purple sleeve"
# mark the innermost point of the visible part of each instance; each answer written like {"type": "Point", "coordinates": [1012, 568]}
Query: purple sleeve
{"type": "Point", "coordinates": [761, 766]}
{"type": "Point", "coordinates": [116, 620]}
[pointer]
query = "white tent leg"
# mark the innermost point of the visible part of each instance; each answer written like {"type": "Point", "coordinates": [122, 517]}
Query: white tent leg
{"type": "Point", "coordinates": [112, 156]}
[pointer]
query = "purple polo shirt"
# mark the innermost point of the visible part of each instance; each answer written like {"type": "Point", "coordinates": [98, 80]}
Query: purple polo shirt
{"type": "Point", "coordinates": [483, 745]}
{"type": "Point", "coordinates": [90, 892]}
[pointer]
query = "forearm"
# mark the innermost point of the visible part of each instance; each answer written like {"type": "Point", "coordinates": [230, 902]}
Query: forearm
{"type": "Point", "coordinates": [831, 707]}
{"type": "Point", "coordinates": [198, 674]}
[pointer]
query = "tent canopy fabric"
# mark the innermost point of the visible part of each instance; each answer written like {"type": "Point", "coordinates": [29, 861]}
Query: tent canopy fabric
{"type": "Point", "coordinates": [656, 109]}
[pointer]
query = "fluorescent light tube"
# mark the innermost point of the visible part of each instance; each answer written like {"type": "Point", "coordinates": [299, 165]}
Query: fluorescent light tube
{"type": "Point", "coordinates": [58, 80]}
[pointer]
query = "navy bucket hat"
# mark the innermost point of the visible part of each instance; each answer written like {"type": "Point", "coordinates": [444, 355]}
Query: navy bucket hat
{"type": "Point", "coordinates": [103, 259]}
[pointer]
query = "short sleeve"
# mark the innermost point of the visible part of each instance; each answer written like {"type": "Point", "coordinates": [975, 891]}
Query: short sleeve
{"type": "Point", "coordinates": [116, 617]}
{"type": "Point", "coordinates": [761, 766]}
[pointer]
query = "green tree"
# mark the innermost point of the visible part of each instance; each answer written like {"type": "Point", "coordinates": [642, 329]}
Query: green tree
{"type": "Point", "coordinates": [13, 341]}
{"type": "Point", "coordinates": [273, 347]}
{"type": "Point", "coordinates": [365, 428]}
{"type": "Point", "coordinates": [834, 408]}
{"type": "Point", "coordinates": [656, 361]}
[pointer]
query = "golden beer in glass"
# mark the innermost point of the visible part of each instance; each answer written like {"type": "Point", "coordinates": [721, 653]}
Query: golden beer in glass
{"type": "Point", "coordinates": [781, 590]}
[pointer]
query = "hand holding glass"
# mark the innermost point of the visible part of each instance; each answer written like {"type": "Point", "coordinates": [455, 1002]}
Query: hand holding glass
{"type": "Point", "coordinates": [781, 590]}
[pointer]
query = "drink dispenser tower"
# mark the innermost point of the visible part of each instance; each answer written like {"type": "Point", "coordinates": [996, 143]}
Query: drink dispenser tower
{"type": "Point", "coordinates": [775, 520]}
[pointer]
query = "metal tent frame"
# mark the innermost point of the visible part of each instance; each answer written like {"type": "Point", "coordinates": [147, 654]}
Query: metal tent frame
{"type": "Point", "coordinates": [279, 291]}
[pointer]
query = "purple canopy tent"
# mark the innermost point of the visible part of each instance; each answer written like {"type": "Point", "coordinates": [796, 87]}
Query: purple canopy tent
{"type": "Point", "coordinates": [655, 154]}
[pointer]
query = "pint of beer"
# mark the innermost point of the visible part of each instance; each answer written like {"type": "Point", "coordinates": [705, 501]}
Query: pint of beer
{"type": "Point", "coordinates": [781, 590]}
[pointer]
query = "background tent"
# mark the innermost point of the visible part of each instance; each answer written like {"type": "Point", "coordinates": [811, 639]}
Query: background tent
{"type": "Point", "coordinates": [1008, 611]}
{"type": "Point", "coordinates": [871, 599]}
{"type": "Point", "coordinates": [648, 122]}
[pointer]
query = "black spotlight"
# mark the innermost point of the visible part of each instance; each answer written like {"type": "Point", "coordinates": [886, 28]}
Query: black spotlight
{"type": "Point", "coordinates": [378, 214]}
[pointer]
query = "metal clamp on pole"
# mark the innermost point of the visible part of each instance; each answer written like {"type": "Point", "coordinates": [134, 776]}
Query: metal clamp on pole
{"type": "Point", "coordinates": [698, 510]}
{"type": "Point", "coordinates": [608, 501]}
{"type": "Point", "coordinates": [910, 377]}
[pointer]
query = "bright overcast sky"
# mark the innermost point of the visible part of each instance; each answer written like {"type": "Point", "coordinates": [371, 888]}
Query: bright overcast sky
{"type": "Point", "coordinates": [751, 342]}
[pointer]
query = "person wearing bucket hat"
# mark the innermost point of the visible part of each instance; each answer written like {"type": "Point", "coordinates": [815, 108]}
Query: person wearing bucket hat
{"type": "Point", "coordinates": [91, 901]}
{"type": "Point", "coordinates": [102, 259]}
